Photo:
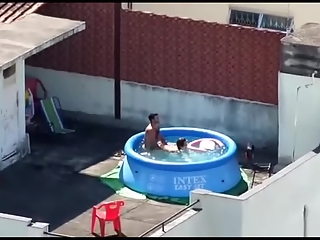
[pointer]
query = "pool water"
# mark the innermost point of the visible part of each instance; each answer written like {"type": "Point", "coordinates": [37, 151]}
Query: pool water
{"type": "Point", "coordinates": [190, 156]}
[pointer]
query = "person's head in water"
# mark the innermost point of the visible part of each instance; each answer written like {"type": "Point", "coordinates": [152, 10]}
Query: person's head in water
{"type": "Point", "coordinates": [181, 144]}
{"type": "Point", "coordinates": [154, 120]}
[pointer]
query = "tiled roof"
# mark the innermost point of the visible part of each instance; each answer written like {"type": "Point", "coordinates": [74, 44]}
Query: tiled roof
{"type": "Point", "coordinates": [10, 12]}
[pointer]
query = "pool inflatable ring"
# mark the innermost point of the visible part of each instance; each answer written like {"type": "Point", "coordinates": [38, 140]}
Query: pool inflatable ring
{"type": "Point", "coordinates": [218, 173]}
{"type": "Point", "coordinates": [205, 144]}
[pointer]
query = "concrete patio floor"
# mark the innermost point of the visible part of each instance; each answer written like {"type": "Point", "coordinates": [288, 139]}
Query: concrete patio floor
{"type": "Point", "coordinates": [58, 183]}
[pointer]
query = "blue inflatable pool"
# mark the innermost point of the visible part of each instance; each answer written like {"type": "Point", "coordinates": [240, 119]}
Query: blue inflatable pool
{"type": "Point", "coordinates": [177, 179]}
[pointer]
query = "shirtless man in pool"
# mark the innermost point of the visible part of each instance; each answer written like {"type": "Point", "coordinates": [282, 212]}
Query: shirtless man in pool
{"type": "Point", "coordinates": [152, 136]}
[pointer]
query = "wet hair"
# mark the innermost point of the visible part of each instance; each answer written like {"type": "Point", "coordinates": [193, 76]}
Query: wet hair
{"type": "Point", "coordinates": [180, 143]}
{"type": "Point", "coordinates": [152, 116]}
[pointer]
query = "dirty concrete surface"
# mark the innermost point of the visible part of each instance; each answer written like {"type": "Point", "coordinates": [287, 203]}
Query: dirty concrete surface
{"type": "Point", "coordinates": [58, 183]}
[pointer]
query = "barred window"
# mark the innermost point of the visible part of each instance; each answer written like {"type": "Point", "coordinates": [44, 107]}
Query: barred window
{"type": "Point", "coordinates": [260, 20]}
{"type": "Point", "coordinates": [244, 18]}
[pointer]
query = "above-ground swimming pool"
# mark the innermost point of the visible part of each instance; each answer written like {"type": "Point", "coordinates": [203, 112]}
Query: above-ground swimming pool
{"type": "Point", "coordinates": [210, 164]}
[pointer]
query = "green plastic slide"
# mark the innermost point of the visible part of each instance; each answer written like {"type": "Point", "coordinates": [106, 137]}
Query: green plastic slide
{"type": "Point", "coordinates": [52, 116]}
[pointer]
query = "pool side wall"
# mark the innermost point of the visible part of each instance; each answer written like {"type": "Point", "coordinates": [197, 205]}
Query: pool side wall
{"type": "Point", "coordinates": [91, 98]}
{"type": "Point", "coordinates": [142, 178]}
{"type": "Point", "coordinates": [177, 179]}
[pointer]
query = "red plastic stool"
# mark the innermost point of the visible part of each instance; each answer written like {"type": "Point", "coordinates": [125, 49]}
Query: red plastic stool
{"type": "Point", "coordinates": [111, 213]}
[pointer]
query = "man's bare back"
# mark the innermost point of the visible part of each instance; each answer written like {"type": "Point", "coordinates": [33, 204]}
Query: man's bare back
{"type": "Point", "coordinates": [152, 137]}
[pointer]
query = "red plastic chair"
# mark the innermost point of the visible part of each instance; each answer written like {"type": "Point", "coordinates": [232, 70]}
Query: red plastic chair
{"type": "Point", "coordinates": [111, 213]}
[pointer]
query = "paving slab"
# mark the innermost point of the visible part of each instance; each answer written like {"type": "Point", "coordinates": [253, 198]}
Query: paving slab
{"type": "Point", "coordinates": [134, 228]}
{"type": "Point", "coordinates": [153, 202]}
{"type": "Point", "coordinates": [59, 182]}
{"type": "Point", "coordinates": [150, 213]}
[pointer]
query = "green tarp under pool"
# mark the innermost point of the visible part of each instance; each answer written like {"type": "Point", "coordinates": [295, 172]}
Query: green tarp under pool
{"type": "Point", "coordinates": [112, 180]}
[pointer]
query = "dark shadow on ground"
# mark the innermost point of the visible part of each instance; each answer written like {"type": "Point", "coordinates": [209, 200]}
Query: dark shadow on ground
{"type": "Point", "coordinates": [260, 156]}
{"type": "Point", "coordinates": [110, 236]}
{"type": "Point", "coordinates": [47, 186]}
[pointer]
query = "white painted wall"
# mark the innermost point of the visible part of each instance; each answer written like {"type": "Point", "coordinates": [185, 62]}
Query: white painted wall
{"type": "Point", "coordinates": [219, 12]}
{"type": "Point", "coordinates": [13, 108]}
{"type": "Point", "coordinates": [2, 135]}
{"type": "Point", "coordinates": [219, 217]}
{"type": "Point", "coordinates": [274, 208]}
{"type": "Point", "coordinates": [242, 120]}
{"type": "Point", "coordinates": [16, 226]}
{"type": "Point", "coordinates": [77, 92]}
{"type": "Point", "coordinates": [306, 135]}
{"type": "Point", "coordinates": [13, 138]}
{"type": "Point", "coordinates": [10, 114]}
{"type": "Point", "coordinates": [20, 76]}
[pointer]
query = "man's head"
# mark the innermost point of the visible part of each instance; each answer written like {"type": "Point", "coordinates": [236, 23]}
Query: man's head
{"type": "Point", "coordinates": [154, 119]}
{"type": "Point", "coordinates": [181, 143]}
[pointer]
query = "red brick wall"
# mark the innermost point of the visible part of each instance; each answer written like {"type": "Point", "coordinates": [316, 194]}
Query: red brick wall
{"type": "Point", "coordinates": [170, 52]}
{"type": "Point", "coordinates": [89, 52]}
{"type": "Point", "coordinates": [200, 56]}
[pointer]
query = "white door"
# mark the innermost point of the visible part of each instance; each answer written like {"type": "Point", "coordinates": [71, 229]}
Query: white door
{"type": "Point", "coordinates": [10, 115]}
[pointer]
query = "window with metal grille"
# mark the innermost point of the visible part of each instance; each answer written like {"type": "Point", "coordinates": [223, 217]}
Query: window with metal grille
{"type": "Point", "coordinates": [244, 18]}
{"type": "Point", "coordinates": [260, 20]}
